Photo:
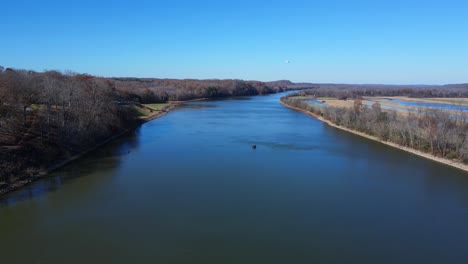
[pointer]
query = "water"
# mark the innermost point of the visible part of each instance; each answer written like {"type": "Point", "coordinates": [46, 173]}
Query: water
{"type": "Point", "coordinates": [315, 102]}
{"type": "Point", "coordinates": [188, 188]}
{"type": "Point", "coordinates": [427, 105]}
{"type": "Point", "coordinates": [461, 110]}
{"type": "Point", "coordinates": [448, 107]}
{"type": "Point", "coordinates": [382, 106]}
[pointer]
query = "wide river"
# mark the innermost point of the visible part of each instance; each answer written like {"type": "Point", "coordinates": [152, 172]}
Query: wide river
{"type": "Point", "coordinates": [188, 188]}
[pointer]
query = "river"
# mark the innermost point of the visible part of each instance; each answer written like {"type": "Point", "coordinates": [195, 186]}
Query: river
{"type": "Point", "coordinates": [188, 188]}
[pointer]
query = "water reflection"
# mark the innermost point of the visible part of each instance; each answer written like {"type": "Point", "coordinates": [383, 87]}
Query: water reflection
{"type": "Point", "coordinates": [196, 105]}
{"type": "Point", "coordinates": [106, 158]}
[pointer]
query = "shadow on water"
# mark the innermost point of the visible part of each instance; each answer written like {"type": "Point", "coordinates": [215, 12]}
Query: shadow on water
{"type": "Point", "coordinates": [106, 158]}
{"type": "Point", "coordinates": [433, 179]}
{"type": "Point", "coordinates": [196, 105]}
{"type": "Point", "coordinates": [242, 98]}
{"type": "Point", "coordinates": [212, 102]}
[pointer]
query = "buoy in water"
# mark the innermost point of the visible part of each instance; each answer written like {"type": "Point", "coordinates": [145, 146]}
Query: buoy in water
{"type": "Point", "coordinates": [254, 146]}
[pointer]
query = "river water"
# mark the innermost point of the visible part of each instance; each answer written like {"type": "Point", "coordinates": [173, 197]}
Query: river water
{"type": "Point", "coordinates": [188, 188]}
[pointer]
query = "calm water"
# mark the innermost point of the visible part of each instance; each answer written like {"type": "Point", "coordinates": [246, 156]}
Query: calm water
{"type": "Point", "coordinates": [449, 107]}
{"type": "Point", "coordinates": [192, 190]}
{"type": "Point", "coordinates": [427, 105]}
{"type": "Point", "coordinates": [317, 103]}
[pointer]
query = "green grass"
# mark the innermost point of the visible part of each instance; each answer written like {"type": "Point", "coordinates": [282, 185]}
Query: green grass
{"type": "Point", "coordinates": [37, 106]}
{"type": "Point", "coordinates": [149, 108]}
{"type": "Point", "coordinates": [157, 107]}
{"type": "Point", "coordinates": [142, 111]}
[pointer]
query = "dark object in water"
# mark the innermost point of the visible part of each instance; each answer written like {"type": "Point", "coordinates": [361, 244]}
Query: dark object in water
{"type": "Point", "coordinates": [254, 146]}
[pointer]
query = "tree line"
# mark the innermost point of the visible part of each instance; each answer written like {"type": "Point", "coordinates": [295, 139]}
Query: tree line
{"type": "Point", "coordinates": [146, 90]}
{"type": "Point", "coordinates": [432, 131]}
{"type": "Point", "coordinates": [343, 91]}
{"type": "Point", "coordinates": [45, 117]}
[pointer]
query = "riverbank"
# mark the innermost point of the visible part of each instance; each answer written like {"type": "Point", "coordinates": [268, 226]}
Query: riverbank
{"type": "Point", "coordinates": [452, 163]}
{"type": "Point", "coordinates": [38, 174]}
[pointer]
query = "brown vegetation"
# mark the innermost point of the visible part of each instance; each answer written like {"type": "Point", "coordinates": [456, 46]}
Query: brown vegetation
{"type": "Point", "coordinates": [47, 117]}
{"type": "Point", "coordinates": [432, 131]}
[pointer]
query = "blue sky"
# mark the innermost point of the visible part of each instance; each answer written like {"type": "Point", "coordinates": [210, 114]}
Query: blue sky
{"type": "Point", "coordinates": [399, 42]}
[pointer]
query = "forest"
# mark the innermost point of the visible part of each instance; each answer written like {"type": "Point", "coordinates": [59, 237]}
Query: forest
{"type": "Point", "coordinates": [432, 131]}
{"type": "Point", "coordinates": [47, 117]}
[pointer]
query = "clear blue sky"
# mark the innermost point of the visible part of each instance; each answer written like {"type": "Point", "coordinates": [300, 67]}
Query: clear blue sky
{"type": "Point", "coordinates": [368, 41]}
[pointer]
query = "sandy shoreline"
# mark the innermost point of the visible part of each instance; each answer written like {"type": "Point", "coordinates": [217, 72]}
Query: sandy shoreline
{"type": "Point", "coordinates": [452, 163]}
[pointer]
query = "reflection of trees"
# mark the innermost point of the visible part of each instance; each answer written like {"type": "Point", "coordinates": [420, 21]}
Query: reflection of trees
{"type": "Point", "coordinates": [436, 185]}
{"type": "Point", "coordinates": [103, 161]}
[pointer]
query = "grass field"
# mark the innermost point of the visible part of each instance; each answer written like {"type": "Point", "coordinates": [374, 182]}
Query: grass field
{"type": "Point", "coordinates": [157, 107]}
{"type": "Point", "coordinates": [142, 111]}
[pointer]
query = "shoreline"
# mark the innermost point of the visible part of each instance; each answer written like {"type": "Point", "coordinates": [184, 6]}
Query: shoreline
{"type": "Point", "coordinates": [448, 162]}
{"type": "Point", "coordinates": [44, 173]}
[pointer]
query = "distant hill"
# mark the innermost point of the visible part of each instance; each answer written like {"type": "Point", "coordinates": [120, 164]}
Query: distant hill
{"type": "Point", "coordinates": [281, 83]}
